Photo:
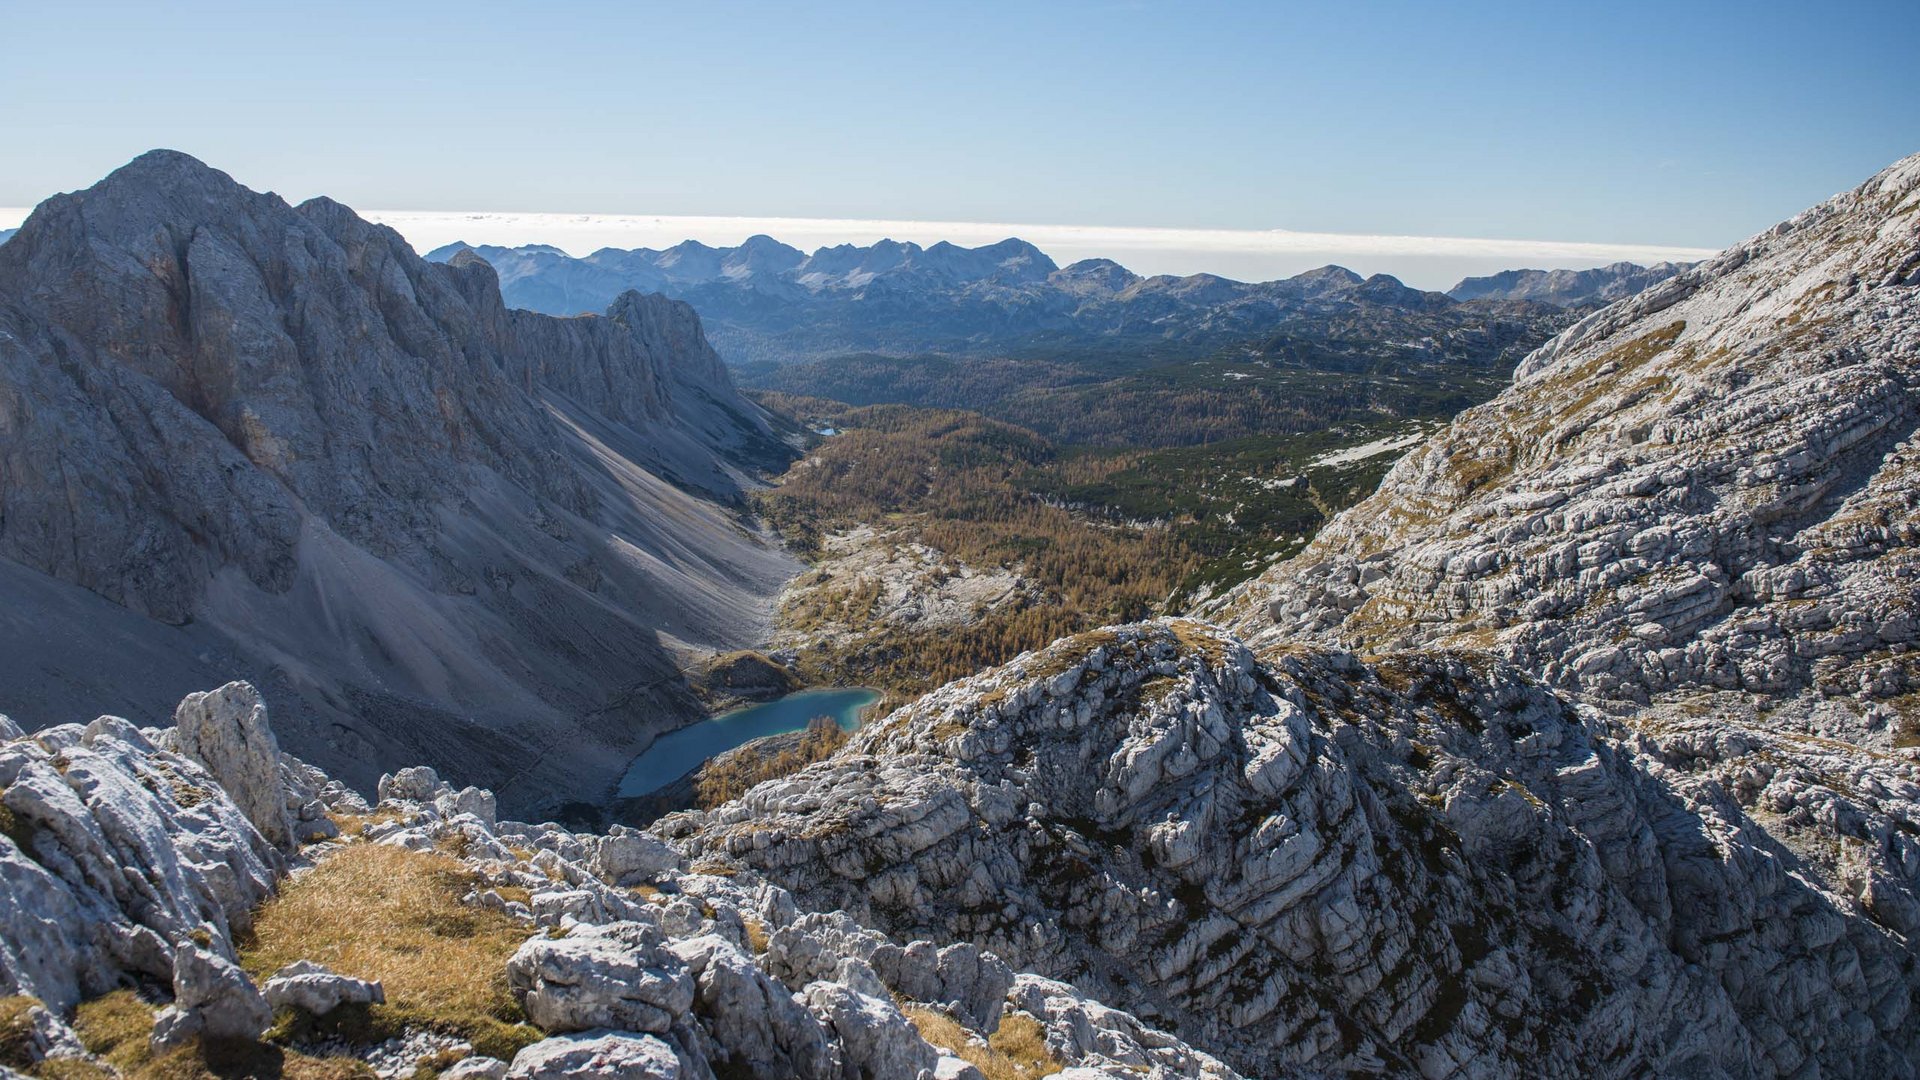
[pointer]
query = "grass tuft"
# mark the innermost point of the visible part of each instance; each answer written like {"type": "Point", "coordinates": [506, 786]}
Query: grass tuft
{"type": "Point", "coordinates": [1018, 1051]}
{"type": "Point", "coordinates": [16, 1032]}
{"type": "Point", "coordinates": [386, 913]}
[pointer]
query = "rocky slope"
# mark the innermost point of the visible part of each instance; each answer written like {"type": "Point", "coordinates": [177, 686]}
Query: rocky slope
{"type": "Point", "coordinates": [1568, 288]}
{"type": "Point", "coordinates": [138, 856]}
{"type": "Point", "coordinates": [1426, 866]}
{"type": "Point", "coordinates": [1710, 486]}
{"type": "Point", "coordinates": [766, 302]}
{"type": "Point", "coordinates": [1293, 866]}
{"type": "Point", "coordinates": [238, 436]}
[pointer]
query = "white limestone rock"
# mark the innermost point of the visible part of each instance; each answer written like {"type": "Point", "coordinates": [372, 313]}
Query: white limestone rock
{"type": "Point", "coordinates": [1434, 847]}
{"type": "Point", "coordinates": [211, 997]}
{"type": "Point", "coordinates": [597, 1055]}
{"type": "Point", "coordinates": [227, 731]}
{"type": "Point", "coordinates": [758, 1027]}
{"type": "Point", "coordinates": [477, 1067]}
{"type": "Point", "coordinates": [877, 1040]}
{"type": "Point", "coordinates": [617, 975]}
{"type": "Point", "coordinates": [116, 850]}
{"type": "Point", "coordinates": [316, 991]}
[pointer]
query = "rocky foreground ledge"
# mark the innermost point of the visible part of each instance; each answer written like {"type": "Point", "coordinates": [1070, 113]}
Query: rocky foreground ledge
{"type": "Point", "coordinates": [191, 901]}
{"type": "Point", "coordinates": [1143, 851]}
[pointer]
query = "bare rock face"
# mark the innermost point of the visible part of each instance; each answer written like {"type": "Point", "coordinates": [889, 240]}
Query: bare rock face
{"type": "Point", "coordinates": [1309, 863]}
{"type": "Point", "coordinates": [1710, 486]}
{"type": "Point", "coordinates": [284, 447]}
{"type": "Point", "coordinates": [113, 851]}
{"type": "Point", "coordinates": [226, 730]}
{"type": "Point", "coordinates": [620, 975]}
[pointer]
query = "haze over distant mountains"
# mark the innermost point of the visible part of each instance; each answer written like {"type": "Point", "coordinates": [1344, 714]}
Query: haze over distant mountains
{"type": "Point", "coordinates": [1568, 288]}
{"type": "Point", "coordinates": [767, 301]}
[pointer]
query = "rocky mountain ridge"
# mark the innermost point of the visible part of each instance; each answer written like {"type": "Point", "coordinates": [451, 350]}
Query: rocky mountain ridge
{"type": "Point", "coordinates": [1568, 288]}
{"type": "Point", "coordinates": [239, 436]}
{"type": "Point", "coordinates": [1708, 487]}
{"type": "Point", "coordinates": [766, 302]}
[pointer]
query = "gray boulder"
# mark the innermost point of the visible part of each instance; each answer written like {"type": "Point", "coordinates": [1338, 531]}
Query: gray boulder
{"type": "Point", "coordinates": [597, 1055]}
{"type": "Point", "coordinates": [626, 855]}
{"type": "Point", "coordinates": [316, 991]}
{"type": "Point", "coordinates": [759, 1028]}
{"type": "Point", "coordinates": [877, 1039]}
{"type": "Point", "coordinates": [211, 997]}
{"type": "Point", "coordinates": [619, 975]}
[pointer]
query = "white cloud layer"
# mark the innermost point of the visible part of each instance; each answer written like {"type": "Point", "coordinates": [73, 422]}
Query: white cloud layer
{"type": "Point", "coordinates": [1433, 262]}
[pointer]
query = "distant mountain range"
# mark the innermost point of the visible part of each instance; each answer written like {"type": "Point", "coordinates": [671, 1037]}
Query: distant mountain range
{"type": "Point", "coordinates": [766, 301]}
{"type": "Point", "coordinates": [1568, 288]}
{"type": "Point", "coordinates": [7, 234]}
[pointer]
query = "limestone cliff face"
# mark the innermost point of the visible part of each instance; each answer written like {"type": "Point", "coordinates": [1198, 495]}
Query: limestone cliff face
{"type": "Point", "coordinates": [456, 531]}
{"type": "Point", "coordinates": [1430, 865]}
{"type": "Point", "coordinates": [1710, 486]}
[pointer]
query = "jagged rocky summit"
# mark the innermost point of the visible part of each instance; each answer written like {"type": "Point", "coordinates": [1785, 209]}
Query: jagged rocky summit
{"type": "Point", "coordinates": [243, 437]}
{"type": "Point", "coordinates": [1710, 487]}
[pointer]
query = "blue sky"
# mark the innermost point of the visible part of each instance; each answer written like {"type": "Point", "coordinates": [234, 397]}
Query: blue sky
{"type": "Point", "coordinates": [1686, 124]}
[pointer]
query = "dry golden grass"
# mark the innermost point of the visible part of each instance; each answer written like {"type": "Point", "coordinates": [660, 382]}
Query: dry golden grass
{"type": "Point", "coordinates": [352, 825]}
{"type": "Point", "coordinates": [1018, 1051]}
{"type": "Point", "coordinates": [757, 935]}
{"type": "Point", "coordinates": [15, 1032]}
{"type": "Point", "coordinates": [385, 913]}
{"type": "Point", "coordinates": [116, 1028]}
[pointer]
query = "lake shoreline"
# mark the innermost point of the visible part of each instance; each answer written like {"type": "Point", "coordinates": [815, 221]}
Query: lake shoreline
{"type": "Point", "coordinates": [678, 754]}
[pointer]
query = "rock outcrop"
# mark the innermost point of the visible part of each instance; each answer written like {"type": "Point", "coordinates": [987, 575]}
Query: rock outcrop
{"type": "Point", "coordinates": [114, 851]}
{"type": "Point", "coordinates": [226, 730]}
{"type": "Point", "coordinates": [635, 963]}
{"type": "Point", "coordinates": [212, 998]}
{"type": "Point", "coordinates": [280, 445]}
{"type": "Point", "coordinates": [1430, 865]}
{"type": "Point", "coordinates": [312, 989]}
{"type": "Point", "coordinates": [1709, 487]}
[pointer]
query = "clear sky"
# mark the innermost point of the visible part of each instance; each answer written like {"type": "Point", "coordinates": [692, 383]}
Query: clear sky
{"type": "Point", "coordinates": [1677, 124]}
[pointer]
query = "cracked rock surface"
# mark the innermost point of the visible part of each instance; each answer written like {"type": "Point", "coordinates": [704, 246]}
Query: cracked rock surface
{"type": "Point", "coordinates": [1430, 865]}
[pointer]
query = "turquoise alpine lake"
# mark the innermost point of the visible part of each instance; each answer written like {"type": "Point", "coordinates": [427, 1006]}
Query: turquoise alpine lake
{"type": "Point", "coordinates": [678, 753]}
